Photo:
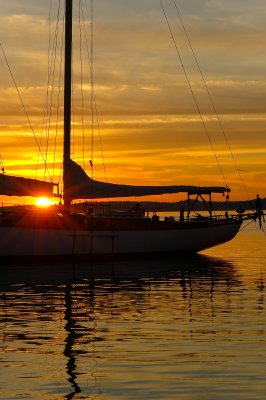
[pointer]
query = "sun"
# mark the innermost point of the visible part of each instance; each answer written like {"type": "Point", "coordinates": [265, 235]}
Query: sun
{"type": "Point", "coordinates": [44, 202]}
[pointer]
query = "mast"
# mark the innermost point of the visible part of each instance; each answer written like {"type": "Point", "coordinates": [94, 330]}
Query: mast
{"type": "Point", "coordinates": [67, 92]}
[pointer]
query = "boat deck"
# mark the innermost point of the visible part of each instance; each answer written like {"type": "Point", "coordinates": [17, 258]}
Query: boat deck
{"type": "Point", "coordinates": [48, 220]}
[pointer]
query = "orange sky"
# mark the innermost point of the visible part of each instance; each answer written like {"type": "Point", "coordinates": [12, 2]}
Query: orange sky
{"type": "Point", "coordinates": [150, 129]}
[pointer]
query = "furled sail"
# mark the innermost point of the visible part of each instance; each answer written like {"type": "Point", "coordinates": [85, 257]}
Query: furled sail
{"type": "Point", "coordinates": [78, 185]}
{"type": "Point", "coordinates": [19, 186]}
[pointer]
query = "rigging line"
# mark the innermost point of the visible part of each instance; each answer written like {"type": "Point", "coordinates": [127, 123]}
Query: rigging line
{"type": "Point", "coordinates": [25, 110]}
{"type": "Point", "coordinates": [81, 87]}
{"type": "Point", "coordinates": [2, 164]}
{"type": "Point", "coordinates": [193, 94]}
{"type": "Point", "coordinates": [92, 90]}
{"type": "Point", "coordinates": [250, 222]}
{"type": "Point", "coordinates": [94, 101]}
{"type": "Point", "coordinates": [263, 230]}
{"type": "Point", "coordinates": [58, 96]}
{"type": "Point", "coordinates": [245, 226]}
{"type": "Point", "coordinates": [47, 115]}
{"type": "Point", "coordinates": [53, 67]}
{"type": "Point", "coordinates": [73, 117]}
{"type": "Point", "coordinates": [47, 87]}
{"type": "Point", "coordinates": [212, 103]}
{"type": "Point", "coordinates": [60, 178]}
{"type": "Point", "coordinates": [99, 135]}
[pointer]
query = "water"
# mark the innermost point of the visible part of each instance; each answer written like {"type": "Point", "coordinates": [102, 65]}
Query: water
{"type": "Point", "coordinates": [177, 328]}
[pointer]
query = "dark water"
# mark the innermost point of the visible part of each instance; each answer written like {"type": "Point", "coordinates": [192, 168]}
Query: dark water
{"type": "Point", "coordinates": [178, 328]}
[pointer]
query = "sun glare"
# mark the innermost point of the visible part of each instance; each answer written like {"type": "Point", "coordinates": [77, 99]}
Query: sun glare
{"type": "Point", "coordinates": [44, 202]}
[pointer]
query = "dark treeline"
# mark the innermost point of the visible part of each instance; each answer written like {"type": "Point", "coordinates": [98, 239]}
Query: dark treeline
{"type": "Point", "coordinates": [199, 206]}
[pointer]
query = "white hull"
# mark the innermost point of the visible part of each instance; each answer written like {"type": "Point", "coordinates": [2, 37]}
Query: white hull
{"type": "Point", "coordinates": [26, 242]}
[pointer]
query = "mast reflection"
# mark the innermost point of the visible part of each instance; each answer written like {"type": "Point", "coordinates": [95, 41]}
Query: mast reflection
{"type": "Point", "coordinates": [117, 287]}
{"type": "Point", "coordinates": [69, 351]}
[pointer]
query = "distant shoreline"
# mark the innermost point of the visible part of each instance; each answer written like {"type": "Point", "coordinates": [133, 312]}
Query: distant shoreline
{"type": "Point", "coordinates": [175, 206]}
{"type": "Point", "coordinates": [153, 206]}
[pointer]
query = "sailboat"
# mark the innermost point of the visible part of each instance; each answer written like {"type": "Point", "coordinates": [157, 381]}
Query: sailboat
{"type": "Point", "coordinates": [63, 232]}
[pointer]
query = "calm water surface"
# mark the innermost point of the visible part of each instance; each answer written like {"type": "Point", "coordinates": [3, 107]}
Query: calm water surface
{"type": "Point", "coordinates": [178, 328]}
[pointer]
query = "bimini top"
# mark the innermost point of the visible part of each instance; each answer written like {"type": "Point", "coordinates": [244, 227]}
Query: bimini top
{"type": "Point", "coordinates": [78, 185]}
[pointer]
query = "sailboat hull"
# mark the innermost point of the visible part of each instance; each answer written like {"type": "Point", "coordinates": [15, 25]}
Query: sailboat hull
{"type": "Point", "coordinates": [97, 244]}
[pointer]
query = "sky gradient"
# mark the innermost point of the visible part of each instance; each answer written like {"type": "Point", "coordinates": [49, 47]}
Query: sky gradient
{"type": "Point", "coordinates": [150, 129]}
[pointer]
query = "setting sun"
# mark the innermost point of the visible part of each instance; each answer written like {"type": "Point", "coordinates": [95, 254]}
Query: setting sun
{"type": "Point", "coordinates": [44, 202]}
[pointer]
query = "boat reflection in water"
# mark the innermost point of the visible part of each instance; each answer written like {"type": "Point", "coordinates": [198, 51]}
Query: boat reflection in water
{"type": "Point", "coordinates": [135, 271]}
{"type": "Point", "coordinates": [135, 282]}
{"type": "Point", "coordinates": [121, 327]}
